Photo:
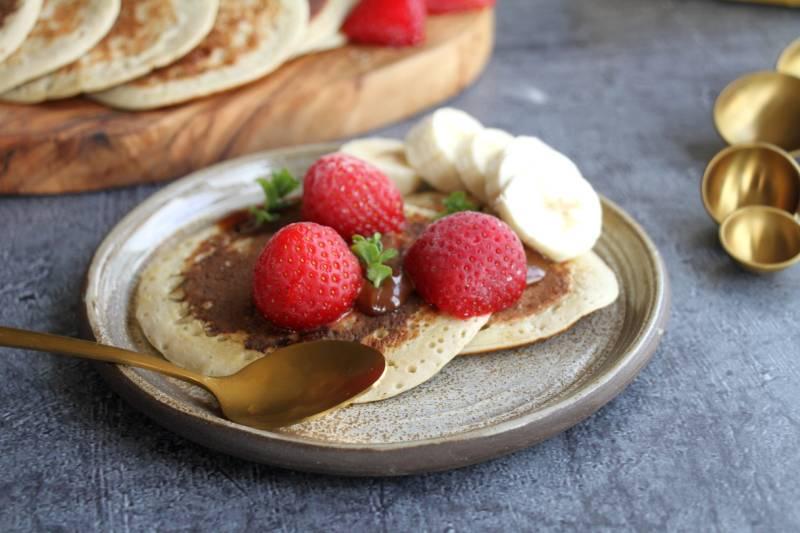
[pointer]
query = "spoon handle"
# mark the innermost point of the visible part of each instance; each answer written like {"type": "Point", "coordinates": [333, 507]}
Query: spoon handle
{"type": "Point", "coordinates": [45, 342]}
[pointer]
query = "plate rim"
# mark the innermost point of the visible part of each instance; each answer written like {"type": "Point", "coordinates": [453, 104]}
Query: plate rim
{"type": "Point", "coordinates": [398, 458]}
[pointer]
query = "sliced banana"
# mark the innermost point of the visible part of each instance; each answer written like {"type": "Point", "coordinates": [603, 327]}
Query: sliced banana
{"type": "Point", "coordinates": [432, 146]}
{"type": "Point", "coordinates": [389, 155]}
{"type": "Point", "coordinates": [475, 155]}
{"type": "Point", "coordinates": [548, 203]}
{"type": "Point", "coordinates": [516, 158]}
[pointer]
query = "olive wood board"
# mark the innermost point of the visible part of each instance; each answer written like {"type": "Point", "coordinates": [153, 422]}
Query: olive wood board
{"type": "Point", "coordinates": [478, 407]}
{"type": "Point", "coordinates": [79, 145]}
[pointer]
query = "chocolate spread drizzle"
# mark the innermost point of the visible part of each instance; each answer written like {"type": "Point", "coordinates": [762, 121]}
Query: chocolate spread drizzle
{"type": "Point", "coordinates": [218, 280]}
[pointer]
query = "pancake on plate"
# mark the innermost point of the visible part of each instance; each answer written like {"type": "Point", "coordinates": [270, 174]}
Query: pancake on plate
{"type": "Point", "coordinates": [568, 292]}
{"type": "Point", "coordinates": [17, 18]}
{"type": "Point", "coordinates": [327, 17]}
{"type": "Point", "coordinates": [194, 305]}
{"type": "Point", "coordinates": [147, 34]}
{"type": "Point", "coordinates": [548, 307]}
{"type": "Point", "coordinates": [64, 31]}
{"type": "Point", "coordinates": [249, 39]}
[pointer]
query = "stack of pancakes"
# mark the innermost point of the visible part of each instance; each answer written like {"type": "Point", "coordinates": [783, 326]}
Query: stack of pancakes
{"type": "Point", "coordinates": [144, 54]}
{"type": "Point", "coordinates": [194, 304]}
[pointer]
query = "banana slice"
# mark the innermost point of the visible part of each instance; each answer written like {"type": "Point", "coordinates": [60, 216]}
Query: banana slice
{"type": "Point", "coordinates": [547, 202]}
{"type": "Point", "coordinates": [474, 156]}
{"type": "Point", "coordinates": [389, 155]}
{"type": "Point", "coordinates": [516, 158]}
{"type": "Point", "coordinates": [432, 146]}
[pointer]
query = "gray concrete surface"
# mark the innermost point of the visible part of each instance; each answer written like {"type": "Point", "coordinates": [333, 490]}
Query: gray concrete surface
{"type": "Point", "coordinates": [706, 439]}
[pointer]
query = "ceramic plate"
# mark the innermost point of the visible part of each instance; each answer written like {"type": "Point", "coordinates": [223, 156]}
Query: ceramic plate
{"type": "Point", "coordinates": [477, 408]}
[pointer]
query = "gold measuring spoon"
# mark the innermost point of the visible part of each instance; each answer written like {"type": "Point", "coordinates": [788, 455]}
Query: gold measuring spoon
{"type": "Point", "coordinates": [762, 239]}
{"type": "Point", "coordinates": [290, 385]}
{"type": "Point", "coordinates": [760, 107]}
{"type": "Point", "coordinates": [750, 174]}
{"type": "Point", "coordinates": [789, 62]}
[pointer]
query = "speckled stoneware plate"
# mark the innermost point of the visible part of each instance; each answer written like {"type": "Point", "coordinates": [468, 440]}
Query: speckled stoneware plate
{"type": "Point", "coordinates": [477, 408]}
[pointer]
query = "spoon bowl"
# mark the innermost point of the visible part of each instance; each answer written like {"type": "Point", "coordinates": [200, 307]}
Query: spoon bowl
{"type": "Point", "coordinates": [761, 239]}
{"type": "Point", "coordinates": [760, 107]}
{"type": "Point", "coordinates": [290, 385]}
{"type": "Point", "coordinates": [750, 174]}
{"type": "Point", "coordinates": [789, 62]}
{"type": "Point", "coordinates": [297, 383]}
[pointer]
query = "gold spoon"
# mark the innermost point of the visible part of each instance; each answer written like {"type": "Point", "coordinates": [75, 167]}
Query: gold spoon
{"type": "Point", "coordinates": [762, 239]}
{"type": "Point", "coordinates": [290, 385]}
{"type": "Point", "coordinates": [760, 107]}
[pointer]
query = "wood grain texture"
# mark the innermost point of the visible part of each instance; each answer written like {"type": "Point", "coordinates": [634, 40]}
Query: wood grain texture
{"type": "Point", "coordinates": [79, 145]}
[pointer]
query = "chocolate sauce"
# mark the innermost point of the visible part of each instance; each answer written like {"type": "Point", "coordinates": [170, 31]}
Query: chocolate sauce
{"type": "Point", "coordinates": [396, 289]}
{"type": "Point", "coordinates": [244, 223]}
{"type": "Point", "coordinates": [235, 221]}
{"type": "Point", "coordinates": [393, 292]}
{"type": "Point", "coordinates": [314, 7]}
{"type": "Point", "coordinates": [535, 274]}
{"type": "Point", "coordinates": [218, 289]}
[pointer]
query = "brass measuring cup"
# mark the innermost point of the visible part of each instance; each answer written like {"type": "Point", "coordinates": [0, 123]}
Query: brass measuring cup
{"type": "Point", "coordinates": [753, 191]}
{"type": "Point", "coordinates": [789, 61]}
{"type": "Point", "coordinates": [763, 106]}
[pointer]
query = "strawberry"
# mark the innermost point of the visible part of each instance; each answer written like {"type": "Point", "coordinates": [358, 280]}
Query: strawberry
{"type": "Point", "coordinates": [351, 196]}
{"type": "Point", "coordinates": [468, 264]}
{"type": "Point", "coordinates": [448, 6]}
{"type": "Point", "coordinates": [387, 22]}
{"type": "Point", "coordinates": [305, 277]}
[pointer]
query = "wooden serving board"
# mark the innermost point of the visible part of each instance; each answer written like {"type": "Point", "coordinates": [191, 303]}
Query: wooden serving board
{"type": "Point", "coordinates": [78, 145]}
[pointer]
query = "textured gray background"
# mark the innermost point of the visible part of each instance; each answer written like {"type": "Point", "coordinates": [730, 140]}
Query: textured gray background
{"type": "Point", "coordinates": [705, 439]}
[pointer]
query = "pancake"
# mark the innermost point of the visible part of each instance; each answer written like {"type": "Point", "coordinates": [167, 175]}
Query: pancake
{"type": "Point", "coordinates": [147, 34]}
{"type": "Point", "coordinates": [17, 18]}
{"type": "Point", "coordinates": [547, 308]}
{"type": "Point", "coordinates": [249, 39]}
{"type": "Point", "coordinates": [194, 305]}
{"type": "Point", "coordinates": [588, 284]}
{"type": "Point", "coordinates": [327, 17]}
{"type": "Point", "coordinates": [430, 200]}
{"type": "Point", "coordinates": [64, 31]}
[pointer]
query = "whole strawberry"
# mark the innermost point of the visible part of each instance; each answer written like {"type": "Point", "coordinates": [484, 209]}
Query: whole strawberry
{"type": "Point", "coordinates": [468, 264]}
{"type": "Point", "coordinates": [448, 6]}
{"type": "Point", "coordinates": [387, 22]}
{"type": "Point", "coordinates": [305, 277]}
{"type": "Point", "coordinates": [351, 196]}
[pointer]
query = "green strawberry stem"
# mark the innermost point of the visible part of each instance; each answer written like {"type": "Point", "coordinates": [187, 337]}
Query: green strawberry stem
{"type": "Point", "coordinates": [371, 253]}
{"type": "Point", "coordinates": [455, 203]}
{"type": "Point", "coordinates": [276, 188]}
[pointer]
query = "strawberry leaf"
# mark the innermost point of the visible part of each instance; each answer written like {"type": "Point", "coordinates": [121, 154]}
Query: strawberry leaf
{"type": "Point", "coordinates": [455, 203]}
{"type": "Point", "coordinates": [276, 188]}
{"type": "Point", "coordinates": [372, 255]}
{"type": "Point", "coordinates": [376, 273]}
